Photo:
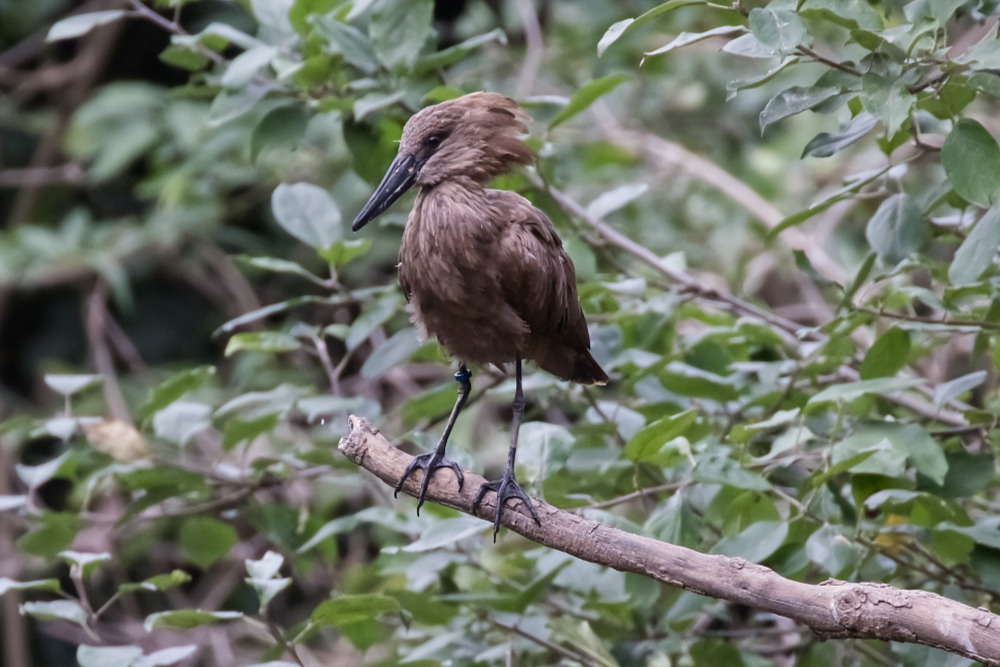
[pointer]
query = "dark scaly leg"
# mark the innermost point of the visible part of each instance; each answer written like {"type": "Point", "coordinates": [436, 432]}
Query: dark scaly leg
{"type": "Point", "coordinates": [507, 487]}
{"type": "Point", "coordinates": [436, 459]}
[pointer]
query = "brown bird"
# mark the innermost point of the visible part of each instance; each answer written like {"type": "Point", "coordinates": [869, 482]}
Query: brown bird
{"type": "Point", "coordinates": [484, 270]}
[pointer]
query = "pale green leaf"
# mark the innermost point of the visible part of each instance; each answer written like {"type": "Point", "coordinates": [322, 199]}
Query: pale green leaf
{"type": "Point", "coordinates": [971, 160]}
{"type": "Point", "coordinates": [978, 250]}
{"type": "Point", "coordinates": [587, 95]}
{"type": "Point", "coordinates": [80, 24]}
{"type": "Point", "coordinates": [308, 213]}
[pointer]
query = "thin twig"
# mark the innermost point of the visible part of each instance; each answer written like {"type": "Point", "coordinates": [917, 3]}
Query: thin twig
{"type": "Point", "coordinates": [648, 491]}
{"type": "Point", "coordinates": [552, 646]}
{"type": "Point", "coordinates": [789, 331]}
{"type": "Point", "coordinates": [534, 48]}
{"type": "Point", "coordinates": [95, 319]}
{"type": "Point", "coordinates": [806, 51]}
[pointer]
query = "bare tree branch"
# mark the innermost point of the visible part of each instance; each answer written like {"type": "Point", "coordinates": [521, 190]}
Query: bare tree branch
{"type": "Point", "coordinates": [832, 610]}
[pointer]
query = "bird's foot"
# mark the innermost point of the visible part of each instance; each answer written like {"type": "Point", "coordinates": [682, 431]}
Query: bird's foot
{"type": "Point", "coordinates": [506, 488]}
{"type": "Point", "coordinates": [428, 463]}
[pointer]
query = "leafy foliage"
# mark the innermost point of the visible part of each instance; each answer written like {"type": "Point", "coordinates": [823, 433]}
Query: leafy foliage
{"type": "Point", "coordinates": [801, 325]}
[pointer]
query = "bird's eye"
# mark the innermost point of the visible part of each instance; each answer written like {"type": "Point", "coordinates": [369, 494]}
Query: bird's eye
{"type": "Point", "coordinates": [433, 141]}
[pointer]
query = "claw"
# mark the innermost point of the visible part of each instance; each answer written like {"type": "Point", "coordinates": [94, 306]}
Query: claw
{"type": "Point", "coordinates": [428, 463]}
{"type": "Point", "coordinates": [506, 489]}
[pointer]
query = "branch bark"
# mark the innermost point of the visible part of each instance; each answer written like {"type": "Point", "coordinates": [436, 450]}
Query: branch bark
{"type": "Point", "coordinates": [832, 610]}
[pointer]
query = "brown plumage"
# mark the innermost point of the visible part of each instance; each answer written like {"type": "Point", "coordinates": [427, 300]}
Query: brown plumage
{"type": "Point", "coordinates": [483, 269]}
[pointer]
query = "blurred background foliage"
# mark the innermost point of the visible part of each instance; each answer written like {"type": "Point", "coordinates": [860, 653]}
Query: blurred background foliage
{"type": "Point", "coordinates": [782, 217]}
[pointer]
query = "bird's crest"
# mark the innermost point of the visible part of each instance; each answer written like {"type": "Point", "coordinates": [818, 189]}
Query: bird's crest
{"type": "Point", "coordinates": [477, 136]}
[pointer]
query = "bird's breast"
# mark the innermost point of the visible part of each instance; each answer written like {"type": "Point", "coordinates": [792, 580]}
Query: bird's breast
{"type": "Point", "coordinates": [449, 267]}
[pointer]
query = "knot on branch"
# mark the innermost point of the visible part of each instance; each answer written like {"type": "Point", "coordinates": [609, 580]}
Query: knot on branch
{"type": "Point", "coordinates": [847, 606]}
{"type": "Point", "coordinates": [855, 609]}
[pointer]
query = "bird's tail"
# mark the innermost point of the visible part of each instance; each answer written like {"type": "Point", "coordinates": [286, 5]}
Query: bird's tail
{"type": "Point", "coordinates": [587, 371]}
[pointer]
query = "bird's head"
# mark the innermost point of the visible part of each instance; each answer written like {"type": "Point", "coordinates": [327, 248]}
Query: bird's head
{"type": "Point", "coordinates": [475, 136]}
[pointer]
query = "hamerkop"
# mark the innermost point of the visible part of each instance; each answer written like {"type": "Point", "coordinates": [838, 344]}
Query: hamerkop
{"type": "Point", "coordinates": [484, 270]}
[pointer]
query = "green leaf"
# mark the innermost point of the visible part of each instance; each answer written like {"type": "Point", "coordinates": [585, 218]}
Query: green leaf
{"type": "Point", "coordinates": [81, 24]}
{"type": "Point", "coordinates": [318, 409]}
{"type": "Point", "coordinates": [612, 200]}
{"type": "Point", "coordinates": [255, 404]}
{"type": "Point", "coordinates": [742, 432]}
{"type": "Point", "coordinates": [853, 185]}
{"type": "Point", "coordinates": [781, 29]}
{"type": "Point", "coordinates": [302, 12]}
{"type": "Point", "coordinates": [50, 585]}
{"type": "Point", "coordinates": [343, 252]}
{"type": "Point", "coordinates": [231, 104]}
{"type": "Point", "coordinates": [348, 42]}
{"type": "Point", "coordinates": [897, 229]}
{"type": "Point", "coordinates": [720, 469]}
{"type": "Point", "coordinates": [686, 38]}
{"type": "Point", "coordinates": [971, 159]}
{"type": "Point", "coordinates": [938, 11]}
{"type": "Point", "coordinates": [56, 610]}
{"type": "Point", "coordinates": [374, 316]}
{"type": "Point", "coordinates": [649, 442]}
{"type": "Point", "coordinates": [825, 144]}
{"type": "Point", "coordinates": [687, 380]}
{"type": "Point", "coordinates": [174, 388]}
{"type": "Point", "coordinates": [851, 14]}
{"type": "Point", "coordinates": [612, 34]}
{"type": "Point", "coordinates": [205, 540]}
{"type": "Point", "coordinates": [842, 393]}
{"type": "Point", "coordinates": [107, 656]}
{"type": "Point", "coordinates": [266, 589]}
{"type": "Point", "coordinates": [184, 58]}
{"type": "Point", "coordinates": [84, 563]}
{"type": "Point", "coordinates": [185, 619]}
{"type": "Point", "coordinates": [348, 609]}
{"type": "Point", "coordinates": [308, 213]}
{"type": "Point", "coordinates": [67, 385]}
{"type": "Point", "coordinates": [395, 350]}
{"type": "Point", "coordinates": [262, 341]}
{"type": "Point", "coordinates": [373, 102]}
{"type": "Point", "coordinates": [986, 531]}
{"type": "Point", "coordinates": [181, 420]}
{"type": "Point", "coordinates": [829, 548]}
{"type": "Point", "coordinates": [618, 29]}
{"type": "Point", "coordinates": [947, 391]}
{"type": "Point", "coordinates": [886, 99]}
{"type": "Point", "coordinates": [281, 266]}
{"type": "Point", "coordinates": [792, 101]}
{"type": "Point", "coordinates": [977, 251]}
{"type": "Point", "coordinates": [399, 29]}
{"type": "Point", "coordinates": [756, 543]}
{"type": "Point", "coordinates": [273, 309]}
{"type": "Point", "coordinates": [55, 533]}
{"type": "Point", "coordinates": [887, 356]}
{"type": "Point", "coordinates": [159, 582]}
{"type": "Point", "coordinates": [587, 95]}
{"type": "Point", "coordinates": [896, 444]}
{"type": "Point", "coordinates": [748, 46]}
{"type": "Point", "coordinates": [445, 533]}
{"type": "Point", "coordinates": [453, 54]}
{"type": "Point", "coordinates": [280, 128]}
{"type": "Point", "coordinates": [244, 430]}
{"type": "Point", "coordinates": [244, 68]}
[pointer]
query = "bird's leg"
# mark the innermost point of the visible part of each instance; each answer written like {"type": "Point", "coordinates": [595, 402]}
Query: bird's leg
{"type": "Point", "coordinates": [436, 459]}
{"type": "Point", "coordinates": [507, 486]}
